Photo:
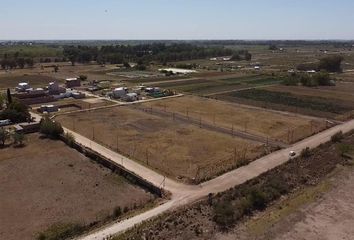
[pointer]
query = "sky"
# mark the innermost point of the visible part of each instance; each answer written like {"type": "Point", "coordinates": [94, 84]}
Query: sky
{"type": "Point", "coordinates": [176, 19]}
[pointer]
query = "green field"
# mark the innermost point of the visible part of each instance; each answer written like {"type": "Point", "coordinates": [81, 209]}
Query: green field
{"type": "Point", "coordinates": [289, 99]}
{"type": "Point", "coordinates": [207, 87]}
{"type": "Point", "coordinates": [32, 51]}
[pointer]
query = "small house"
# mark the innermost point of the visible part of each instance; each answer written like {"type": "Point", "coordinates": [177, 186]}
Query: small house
{"type": "Point", "coordinates": [120, 92]}
{"type": "Point", "coordinates": [131, 97]}
{"type": "Point", "coordinates": [49, 108]}
{"type": "Point", "coordinates": [73, 82]}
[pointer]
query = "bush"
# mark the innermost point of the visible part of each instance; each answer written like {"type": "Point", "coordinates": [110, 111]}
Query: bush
{"type": "Point", "coordinates": [50, 128]}
{"type": "Point", "coordinates": [306, 153]}
{"type": "Point", "coordinates": [83, 77]}
{"type": "Point", "coordinates": [224, 214]}
{"type": "Point", "coordinates": [257, 199]}
{"type": "Point", "coordinates": [344, 149]}
{"type": "Point", "coordinates": [69, 139]}
{"type": "Point", "coordinates": [18, 138]}
{"type": "Point", "coordinates": [4, 135]}
{"type": "Point", "coordinates": [61, 231]}
{"type": "Point", "coordinates": [337, 137]}
{"type": "Point", "coordinates": [117, 212]}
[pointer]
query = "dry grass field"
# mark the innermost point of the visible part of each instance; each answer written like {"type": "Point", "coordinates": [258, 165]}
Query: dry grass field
{"type": "Point", "coordinates": [182, 151]}
{"type": "Point", "coordinates": [277, 126]}
{"type": "Point", "coordinates": [46, 183]}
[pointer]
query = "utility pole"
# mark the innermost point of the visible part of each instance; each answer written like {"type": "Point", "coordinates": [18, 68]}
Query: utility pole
{"type": "Point", "coordinates": [117, 143]}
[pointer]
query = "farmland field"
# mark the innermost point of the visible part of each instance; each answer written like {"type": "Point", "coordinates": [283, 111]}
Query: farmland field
{"type": "Point", "coordinates": [182, 151]}
{"type": "Point", "coordinates": [331, 102]}
{"type": "Point", "coordinates": [277, 126]}
{"type": "Point", "coordinates": [218, 84]}
{"type": "Point", "coordinates": [46, 183]}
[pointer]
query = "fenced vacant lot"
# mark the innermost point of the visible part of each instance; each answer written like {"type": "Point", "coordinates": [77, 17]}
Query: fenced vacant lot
{"type": "Point", "coordinates": [47, 183]}
{"type": "Point", "coordinates": [178, 149]}
{"type": "Point", "coordinates": [268, 124]}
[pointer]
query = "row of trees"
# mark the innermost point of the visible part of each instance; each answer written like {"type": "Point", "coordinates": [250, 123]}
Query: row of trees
{"type": "Point", "coordinates": [310, 80]}
{"type": "Point", "coordinates": [145, 53]}
{"type": "Point", "coordinates": [241, 55]}
{"type": "Point", "coordinates": [12, 63]}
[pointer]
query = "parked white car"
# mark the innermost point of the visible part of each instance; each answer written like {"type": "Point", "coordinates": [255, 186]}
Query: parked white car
{"type": "Point", "coordinates": [292, 154]}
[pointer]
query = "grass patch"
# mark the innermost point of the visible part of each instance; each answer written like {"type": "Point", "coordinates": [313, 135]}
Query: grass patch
{"type": "Point", "coordinates": [61, 231]}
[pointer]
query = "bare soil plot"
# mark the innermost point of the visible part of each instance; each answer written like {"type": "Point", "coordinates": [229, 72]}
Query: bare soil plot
{"type": "Point", "coordinates": [330, 102]}
{"type": "Point", "coordinates": [276, 126]}
{"type": "Point", "coordinates": [180, 150]}
{"type": "Point", "coordinates": [46, 183]}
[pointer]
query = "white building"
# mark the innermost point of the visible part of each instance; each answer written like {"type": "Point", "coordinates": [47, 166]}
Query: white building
{"type": "Point", "coordinates": [131, 97]}
{"type": "Point", "coordinates": [119, 92]}
{"type": "Point", "coordinates": [178, 70]}
{"type": "Point", "coordinates": [22, 87]}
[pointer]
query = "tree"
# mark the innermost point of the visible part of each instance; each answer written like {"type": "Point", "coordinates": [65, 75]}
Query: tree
{"type": "Point", "coordinates": [331, 63]}
{"type": "Point", "coordinates": [9, 98]}
{"type": "Point", "coordinates": [16, 112]}
{"type": "Point", "coordinates": [18, 138]}
{"type": "Point", "coordinates": [248, 56]}
{"type": "Point", "coordinates": [2, 100]}
{"type": "Point", "coordinates": [322, 78]}
{"type": "Point", "coordinates": [4, 135]}
{"type": "Point", "coordinates": [83, 77]}
{"type": "Point", "coordinates": [50, 128]}
{"type": "Point", "coordinates": [29, 62]}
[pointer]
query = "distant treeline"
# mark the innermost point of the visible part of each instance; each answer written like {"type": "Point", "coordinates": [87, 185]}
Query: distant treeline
{"type": "Point", "coordinates": [145, 53]}
{"type": "Point", "coordinates": [56, 43]}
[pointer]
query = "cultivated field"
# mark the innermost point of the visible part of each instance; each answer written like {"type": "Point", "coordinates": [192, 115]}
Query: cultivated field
{"type": "Point", "coordinates": [214, 85]}
{"type": "Point", "coordinates": [276, 126]}
{"type": "Point", "coordinates": [47, 183]}
{"type": "Point", "coordinates": [177, 149]}
{"type": "Point", "coordinates": [331, 102]}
